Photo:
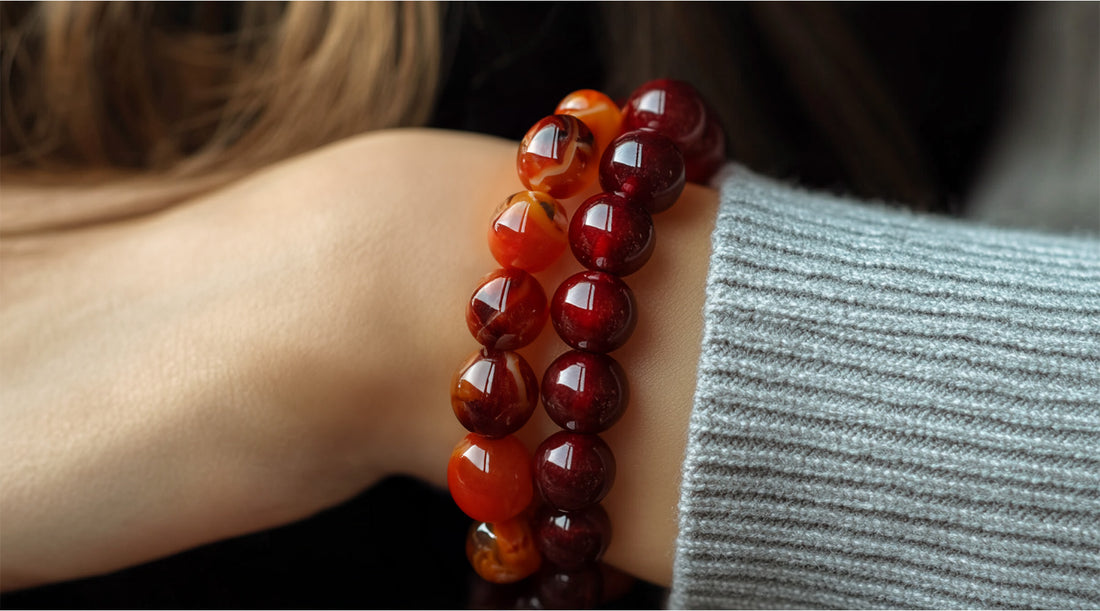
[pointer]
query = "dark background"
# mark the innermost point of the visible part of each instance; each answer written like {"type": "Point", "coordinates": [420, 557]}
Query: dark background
{"type": "Point", "coordinates": [401, 543]}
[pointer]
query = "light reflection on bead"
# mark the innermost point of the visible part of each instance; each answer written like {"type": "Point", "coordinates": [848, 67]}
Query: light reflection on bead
{"type": "Point", "coordinates": [593, 311]}
{"type": "Point", "coordinates": [585, 392]}
{"type": "Point", "coordinates": [574, 470]}
{"type": "Point", "coordinates": [490, 479]}
{"type": "Point", "coordinates": [598, 112]}
{"type": "Point", "coordinates": [646, 168]}
{"type": "Point", "coordinates": [503, 552]}
{"type": "Point", "coordinates": [557, 156]}
{"type": "Point", "coordinates": [528, 231]}
{"type": "Point", "coordinates": [494, 392]}
{"type": "Point", "coordinates": [575, 538]}
{"type": "Point", "coordinates": [507, 310]}
{"type": "Point", "coordinates": [669, 107]}
{"type": "Point", "coordinates": [611, 234]}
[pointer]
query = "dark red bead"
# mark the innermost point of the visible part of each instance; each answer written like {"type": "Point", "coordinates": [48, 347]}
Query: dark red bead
{"type": "Point", "coordinates": [585, 392]}
{"type": "Point", "coordinates": [494, 392]}
{"type": "Point", "coordinates": [646, 168]}
{"type": "Point", "coordinates": [507, 310]}
{"type": "Point", "coordinates": [594, 311]}
{"type": "Point", "coordinates": [575, 538]}
{"type": "Point", "coordinates": [671, 108]}
{"type": "Point", "coordinates": [570, 589]}
{"type": "Point", "coordinates": [574, 470]}
{"type": "Point", "coordinates": [704, 159]}
{"type": "Point", "coordinates": [608, 233]}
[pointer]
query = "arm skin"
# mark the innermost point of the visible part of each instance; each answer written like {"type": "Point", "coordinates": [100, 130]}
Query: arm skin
{"type": "Point", "coordinates": [251, 356]}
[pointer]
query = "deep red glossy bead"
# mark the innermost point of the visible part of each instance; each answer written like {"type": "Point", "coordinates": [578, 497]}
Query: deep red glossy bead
{"type": "Point", "coordinates": [528, 231]}
{"type": "Point", "coordinates": [490, 479]}
{"type": "Point", "coordinates": [570, 589]}
{"type": "Point", "coordinates": [507, 310]}
{"type": "Point", "coordinates": [503, 552]}
{"type": "Point", "coordinates": [573, 539]}
{"type": "Point", "coordinates": [585, 392]}
{"type": "Point", "coordinates": [708, 154]}
{"type": "Point", "coordinates": [574, 470]}
{"type": "Point", "coordinates": [646, 168]}
{"type": "Point", "coordinates": [608, 233]}
{"type": "Point", "coordinates": [672, 108]}
{"type": "Point", "coordinates": [557, 156]}
{"type": "Point", "coordinates": [494, 392]}
{"type": "Point", "coordinates": [594, 311]}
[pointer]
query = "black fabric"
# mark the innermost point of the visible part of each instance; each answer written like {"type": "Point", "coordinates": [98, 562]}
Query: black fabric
{"type": "Point", "coordinates": [512, 62]}
{"type": "Point", "coordinates": [399, 545]}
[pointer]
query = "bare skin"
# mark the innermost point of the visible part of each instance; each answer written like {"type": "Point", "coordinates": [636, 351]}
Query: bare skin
{"type": "Point", "coordinates": [251, 356]}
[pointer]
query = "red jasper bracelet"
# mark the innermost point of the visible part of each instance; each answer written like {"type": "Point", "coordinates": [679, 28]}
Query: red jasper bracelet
{"type": "Point", "coordinates": [642, 155]}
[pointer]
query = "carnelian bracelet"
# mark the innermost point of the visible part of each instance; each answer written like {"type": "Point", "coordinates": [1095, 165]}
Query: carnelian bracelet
{"type": "Point", "coordinates": [642, 154]}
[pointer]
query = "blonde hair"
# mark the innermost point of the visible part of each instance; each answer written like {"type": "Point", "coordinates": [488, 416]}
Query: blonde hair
{"type": "Point", "coordinates": [103, 84]}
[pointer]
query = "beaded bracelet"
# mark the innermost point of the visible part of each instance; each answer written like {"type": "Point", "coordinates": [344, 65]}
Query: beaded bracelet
{"type": "Point", "coordinates": [642, 154]}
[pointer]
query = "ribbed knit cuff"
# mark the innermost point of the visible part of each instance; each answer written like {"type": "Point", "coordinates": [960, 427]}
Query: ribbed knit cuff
{"type": "Point", "coordinates": [892, 411]}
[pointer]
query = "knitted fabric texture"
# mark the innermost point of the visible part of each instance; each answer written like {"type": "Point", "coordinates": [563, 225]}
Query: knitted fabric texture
{"type": "Point", "coordinates": [891, 411]}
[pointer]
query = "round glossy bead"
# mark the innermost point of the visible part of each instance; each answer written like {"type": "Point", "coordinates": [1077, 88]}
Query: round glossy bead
{"type": "Point", "coordinates": [494, 392]}
{"type": "Point", "coordinates": [570, 589]}
{"type": "Point", "coordinates": [507, 310]}
{"type": "Point", "coordinates": [528, 231]}
{"type": "Point", "coordinates": [585, 392]}
{"type": "Point", "coordinates": [598, 112]}
{"type": "Point", "coordinates": [490, 479]}
{"type": "Point", "coordinates": [503, 552]}
{"type": "Point", "coordinates": [645, 167]}
{"type": "Point", "coordinates": [557, 156]}
{"type": "Point", "coordinates": [608, 233]}
{"type": "Point", "coordinates": [573, 470]}
{"type": "Point", "coordinates": [573, 539]}
{"type": "Point", "coordinates": [669, 107]}
{"type": "Point", "coordinates": [594, 311]}
{"type": "Point", "coordinates": [709, 153]}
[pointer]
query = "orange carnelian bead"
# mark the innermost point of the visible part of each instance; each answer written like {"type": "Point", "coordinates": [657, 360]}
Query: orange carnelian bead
{"type": "Point", "coordinates": [528, 231]}
{"type": "Point", "coordinates": [504, 552]}
{"type": "Point", "coordinates": [598, 112]}
{"type": "Point", "coordinates": [557, 156]}
{"type": "Point", "coordinates": [490, 479]}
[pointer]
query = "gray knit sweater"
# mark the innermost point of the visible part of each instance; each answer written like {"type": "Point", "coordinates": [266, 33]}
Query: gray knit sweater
{"type": "Point", "coordinates": [892, 411]}
{"type": "Point", "coordinates": [896, 410]}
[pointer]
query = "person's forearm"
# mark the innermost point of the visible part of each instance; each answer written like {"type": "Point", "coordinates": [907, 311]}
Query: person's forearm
{"type": "Point", "coordinates": [270, 349]}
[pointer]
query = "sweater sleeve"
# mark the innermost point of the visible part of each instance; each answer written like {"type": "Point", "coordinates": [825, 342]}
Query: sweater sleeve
{"type": "Point", "coordinates": [892, 410]}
